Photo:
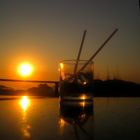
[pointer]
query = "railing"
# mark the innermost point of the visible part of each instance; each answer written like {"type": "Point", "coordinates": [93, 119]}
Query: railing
{"type": "Point", "coordinates": [34, 81]}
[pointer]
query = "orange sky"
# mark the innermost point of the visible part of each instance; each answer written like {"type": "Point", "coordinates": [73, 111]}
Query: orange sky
{"type": "Point", "coordinates": [44, 33]}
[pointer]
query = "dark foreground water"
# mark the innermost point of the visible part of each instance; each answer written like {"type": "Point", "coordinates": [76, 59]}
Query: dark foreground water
{"type": "Point", "coordinates": [27, 118]}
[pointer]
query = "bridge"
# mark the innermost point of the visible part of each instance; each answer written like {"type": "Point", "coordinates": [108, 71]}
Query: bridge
{"type": "Point", "coordinates": [34, 81]}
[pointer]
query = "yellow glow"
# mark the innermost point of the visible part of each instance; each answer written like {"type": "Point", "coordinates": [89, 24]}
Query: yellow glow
{"type": "Point", "coordinates": [84, 83]}
{"type": "Point", "coordinates": [62, 122]}
{"type": "Point", "coordinates": [25, 69]}
{"type": "Point", "coordinates": [61, 65]}
{"type": "Point", "coordinates": [62, 125]}
{"type": "Point", "coordinates": [83, 104]}
{"type": "Point", "coordinates": [83, 97]}
{"type": "Point", "coordinates": [25, 102]}
{"type": "Point", "coordinates": [26, 132]}
{"type": "Point", "coordinates": [62, 71]}
{"type": "Point", "coordinates": [25, 127]}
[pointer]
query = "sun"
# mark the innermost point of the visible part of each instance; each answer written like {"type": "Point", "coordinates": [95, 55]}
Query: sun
{"type": "Point", "coordinates": [25, 69]}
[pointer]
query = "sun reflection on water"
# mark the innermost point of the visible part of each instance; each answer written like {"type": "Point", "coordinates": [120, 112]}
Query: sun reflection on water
{"type": "Point", "coordinates": [25, 103]}
{"type": "Point", "coordinates": [25, 126]}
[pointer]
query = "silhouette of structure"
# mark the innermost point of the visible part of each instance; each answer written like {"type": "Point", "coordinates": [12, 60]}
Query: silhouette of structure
{"type": "Point", "coordinates": [34, 81]}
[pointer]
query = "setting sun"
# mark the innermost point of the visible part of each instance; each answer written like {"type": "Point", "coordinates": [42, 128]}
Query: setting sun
{"type": "Point", "coordinates": [25, 69]}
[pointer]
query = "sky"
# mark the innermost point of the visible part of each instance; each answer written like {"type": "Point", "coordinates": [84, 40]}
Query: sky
{"type": "Point", "coordinates": [44, 32]}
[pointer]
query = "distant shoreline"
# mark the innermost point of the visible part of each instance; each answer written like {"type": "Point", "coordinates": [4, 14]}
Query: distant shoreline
{"type": "Point", "coordinates": [106, 88]}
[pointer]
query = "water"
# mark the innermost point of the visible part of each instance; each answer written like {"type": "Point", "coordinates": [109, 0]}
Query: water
{"type": "Point", "coordinates": [29, 118]}
{"type": "Point", "coordinates": [117, 118]}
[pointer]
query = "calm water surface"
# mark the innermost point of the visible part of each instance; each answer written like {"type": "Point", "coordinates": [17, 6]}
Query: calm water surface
{"type": "Point", "coordinates": [28, 118]}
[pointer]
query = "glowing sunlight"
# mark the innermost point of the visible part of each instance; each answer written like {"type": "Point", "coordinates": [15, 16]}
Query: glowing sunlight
{"type": "Point", "coordinates": [83, 97]}
{"type": "Point", "coordinates": [25, 69]}
{"type": "Point", "coordinates": [25, 102]}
